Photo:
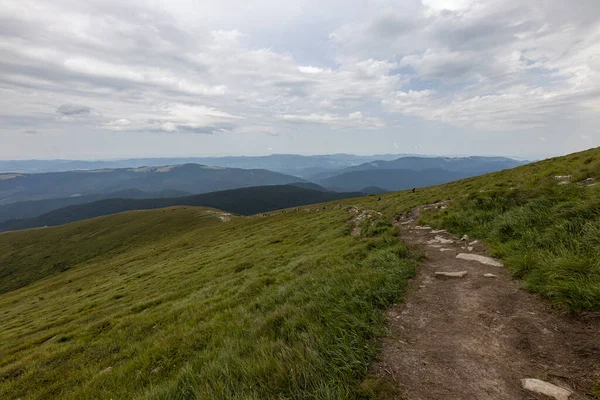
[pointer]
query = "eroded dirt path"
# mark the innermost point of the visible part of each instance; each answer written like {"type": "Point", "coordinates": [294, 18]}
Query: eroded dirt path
{"type": "Point", "coordinates": [476, 337]}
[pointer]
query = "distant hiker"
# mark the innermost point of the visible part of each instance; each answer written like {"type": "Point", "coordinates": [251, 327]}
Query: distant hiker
{"type": "Point", "coordinates": [379, 199]}
{"type": "Point", "coordinates": [414, 189]}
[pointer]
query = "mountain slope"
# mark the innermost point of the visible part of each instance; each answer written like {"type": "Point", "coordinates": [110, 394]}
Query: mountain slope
{"type": "Point", "coordinates": [29, 209]}
{"type": "Point", "coordinates": [283, 306]}
{"type": "Point", "coordinates": [182, 305]}
{"type": "Point", "coordinates": [191, 178]}
{"type": "Point", "coordinates": [245, 201]}
{"type": "Point", "coordinates": [390, 180]}
{"type": "Point", "coordinates": [468, 166]}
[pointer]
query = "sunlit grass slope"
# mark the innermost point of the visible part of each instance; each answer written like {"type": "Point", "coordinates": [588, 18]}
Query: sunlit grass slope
{"type": "Point", "coordinates": [176, 304]}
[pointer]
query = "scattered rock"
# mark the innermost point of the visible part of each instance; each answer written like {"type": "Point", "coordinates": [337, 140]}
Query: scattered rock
{"type": "Point", "coordinates": [474, 242]}
{"type": "Point", "coordinates": [155, 370]}
{"type": "Point", "coordinates": [422, 227]}
{"type": "Point", "coordinates": [464, 238]}
{"type": "Point", "coordinates": [481, 259]}
{"type": "Point", "coordinates": [406, 222]}
{"type": "Point", "coordinates": [439, 239]}
{"type": "Point", "coordinates": [538, 386]}
{"type": "Point", "coordinates": [588, 181]}
{"type": "Point", "coordinates": [435, 246]}
{"type": "Point", "coordinates": [439, 231]}
{"type": "Point", "coordinates": [106, 370]}
{"type": "Point", "coordinates": [458, 274]}
{"type": "Point", "coordinates": [563, 177]}
{"type": "Point", "coordinates": [563, 182]}
{"type": "Point", "coordinates": [490, 275]}
{"type": "Point", "coordinates": [470, 248]}
{"type": "Point", "coordinates": [445, 249]}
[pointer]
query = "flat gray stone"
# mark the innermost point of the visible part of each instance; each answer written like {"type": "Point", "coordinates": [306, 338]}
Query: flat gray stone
{"type": "Point", "coordinates": [548, 389]}
{"type": "Point", "coordinates": [458, 274]}
{"type": "Point", "coordinates": [481, 259]}
{"type": "Point", "coordinates": [439, 239]}
{"type": "Point", "coordinates": [490, 275]}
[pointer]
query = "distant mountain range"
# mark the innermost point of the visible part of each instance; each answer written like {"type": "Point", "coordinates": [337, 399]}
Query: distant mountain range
{"type": "Point", "coordinates": [246, 201]}
{"type": "Point", "coordinates": [290, 164]}
{"type": "Point", "coordinates": [409, 172]}
{"type": "Point", "coordinates": [190, 178]}
{"type": "Point", "coordinates": [46, 195]}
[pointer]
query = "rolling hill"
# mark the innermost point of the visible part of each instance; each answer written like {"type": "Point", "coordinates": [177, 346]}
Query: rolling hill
{"type": "Point", "coordinates": [186, 302]}
{"type": "Point", "coordinates": [390, 179]}
{"type": "Point", "coordinates": [30, 209]}
{"type": "Point", "coordinates": [244, 201]}
{"type": "Point", "coordinates": [191, 178]}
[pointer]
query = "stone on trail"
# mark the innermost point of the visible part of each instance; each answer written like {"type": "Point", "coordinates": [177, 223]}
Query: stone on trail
{"type": "Point", "coordinates": [445, 249]}
{"type": "Point", "coordinates": [481, 259]}
{"type": "Point", "coordinates": [422, 227]}
{"type": "Point", "coordinates": [490, 275]}
{"type": "Point", "coordinates": [470, 248]}
{"type": "Point", "coordinates": [458, 274]}
{"type": "Point", "coordinates": [538, 386]}
{"type": "Point", "coordinates": [439, 231]}
{"type": "Point", "coordinates": [474, 242]}
{"type": "Point", "coordinates": [439, 239]}
{"type": "Point", "coordinates": [464, 238]}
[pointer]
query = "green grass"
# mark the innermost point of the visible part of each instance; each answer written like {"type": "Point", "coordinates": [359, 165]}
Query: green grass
{"type": "Point", "coordinates": [256, 308]}
{"type": "Point", "coordinates": [549, 237]}
{"type": "Point", "coordinates": [547, 234]}
{"type": "Point", "coordinates": [175, 304]}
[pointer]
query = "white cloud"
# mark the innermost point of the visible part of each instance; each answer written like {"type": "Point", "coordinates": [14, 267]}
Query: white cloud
{"type": "Point", "coordinates": [268, 68]}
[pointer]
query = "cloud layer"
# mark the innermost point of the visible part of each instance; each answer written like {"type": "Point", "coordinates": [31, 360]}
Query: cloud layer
{"type": "Point", "coordinates": [107, 78]}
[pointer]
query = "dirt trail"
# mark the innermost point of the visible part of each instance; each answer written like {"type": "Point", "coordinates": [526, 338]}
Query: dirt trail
{"type": "Point", "coordinates": [476, 337]}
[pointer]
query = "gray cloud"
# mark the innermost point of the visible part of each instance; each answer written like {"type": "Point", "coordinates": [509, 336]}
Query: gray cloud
{"type": "Point", "coordinates": [73, 109]}
{"type": "Point", "coordinates": [158, 73]}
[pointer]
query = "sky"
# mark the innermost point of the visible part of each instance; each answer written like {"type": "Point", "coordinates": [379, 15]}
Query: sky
{"type": "Point", "coordinates": [100, 79]}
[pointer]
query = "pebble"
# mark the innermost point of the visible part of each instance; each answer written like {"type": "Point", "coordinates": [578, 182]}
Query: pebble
{"type": "Point", "coordinates": [546, 388]}
{"type": "Point", "coordinates": [458, 274]}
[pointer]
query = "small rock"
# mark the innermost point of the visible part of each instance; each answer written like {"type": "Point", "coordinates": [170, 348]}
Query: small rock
{"type": "Point", "coordinates": [464, 238]}
{"type": "Point", "coordinates": [106, 370]}
{"type": "Point", "coordinates": [439, 239]}
{"type": "Point", "coordinates": [439, 231]}
{"type": "Point", "coordinates": [445, 249]}
{"type": "Point", "coordinates": [474, 242]}
{"type": "Point", "coordinates": [458, 274]}
{"type": "Point", "coordinates": [422, 227]}
{"type": "Point", "coordinates": [563, 177]}
{"type": "Point", "coordinates": [538, 386]}
{"type": "Point", "coordinates": [490, 275]}
{"type": "Point", "coordinates": [470, 248]}
{"type": "Point", "coordinates": [481, 259]}
{"type": "Point", "coordinates": [588, 181]}
{"type": "Point", "coordinates": [406, 222]}
{"type": "Point", "coordinates": [155, 370]}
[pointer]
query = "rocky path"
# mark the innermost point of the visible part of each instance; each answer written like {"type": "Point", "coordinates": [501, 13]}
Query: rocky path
{"type": "Point", "coordinates": [476, 335]}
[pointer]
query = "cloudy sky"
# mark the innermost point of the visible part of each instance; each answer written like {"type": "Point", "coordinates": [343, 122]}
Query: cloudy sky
{"type": "Point", "coordinates": [112, 79]}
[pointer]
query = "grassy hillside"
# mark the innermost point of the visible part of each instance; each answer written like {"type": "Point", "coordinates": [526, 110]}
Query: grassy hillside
{"type": "Point", "coordinates": [547, 230]}
{"type": "Point", "coordinates": [180, 304]}
{"type": "Point", "coordinates": [175, 303]}
{"type": "Point", "coordinates": [244, 201]}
